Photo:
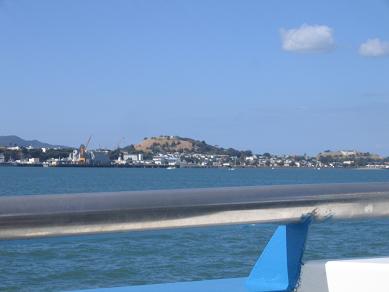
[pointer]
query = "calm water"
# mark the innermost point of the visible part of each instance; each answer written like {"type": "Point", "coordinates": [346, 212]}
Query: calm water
{"type": "Point", "coordinates": [166, 256]}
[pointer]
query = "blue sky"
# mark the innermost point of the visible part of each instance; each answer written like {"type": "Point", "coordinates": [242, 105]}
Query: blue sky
{"type": "Point", "coordinates": [271, 76]}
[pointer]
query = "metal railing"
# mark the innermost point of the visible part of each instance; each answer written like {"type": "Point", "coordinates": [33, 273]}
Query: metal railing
{"type": "Point", "coordinates": [85, 213]}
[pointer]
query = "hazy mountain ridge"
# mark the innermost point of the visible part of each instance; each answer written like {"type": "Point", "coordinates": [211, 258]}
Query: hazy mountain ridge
{"type": "Point", "coordinates": [13, 140]}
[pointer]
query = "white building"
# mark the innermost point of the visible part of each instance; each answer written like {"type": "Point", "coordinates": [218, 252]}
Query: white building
{"type": "Point", "coordinates": [132, 157]}
{"type": "Point", "coordinates": [14, 148]}
{"type": "Point", "coordinates": [166, 159]}
{"type": "Point", "coordinates": [251, 158]}
{"type": "Point", "coordinates": [173, 161]}
{"type": "Point", "coordinates": [33, 161]}
{"type": "Point", "coordinates": [74, 156]}
{"type": "Point", "coordinates": [159, 160]}
{"type": "Point", "coordinates": [2, 158]}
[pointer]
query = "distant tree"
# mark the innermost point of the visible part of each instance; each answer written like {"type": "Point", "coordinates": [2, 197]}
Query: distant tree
{"type": "Point", "coordinates": [130, 149]}
{"type": "Point", "coordinates": [147, 155]}
{"type": "Point", "coordinates": [35, 153]}
{"type": "Point", "coordinates": [246, 153]}
{"type": "Point", "coordinates": [114, 154]}
{"type": "Point", "coordinates": [24, 151]}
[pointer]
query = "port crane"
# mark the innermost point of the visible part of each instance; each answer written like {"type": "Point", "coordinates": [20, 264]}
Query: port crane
{"type": "Point", "coordinates": [82, 151]}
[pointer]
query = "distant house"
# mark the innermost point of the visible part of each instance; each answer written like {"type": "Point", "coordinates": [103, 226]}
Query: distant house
{"type": "Point", "coordinates": [165, 159]}
{"type": "Point", "coordinates": [159, 160]}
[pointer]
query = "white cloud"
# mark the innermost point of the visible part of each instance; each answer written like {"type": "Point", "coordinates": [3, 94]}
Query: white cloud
{"type": "Point", "coordinates": [374, 48]}
{"type": "Point", "coordinates": [308, 38]}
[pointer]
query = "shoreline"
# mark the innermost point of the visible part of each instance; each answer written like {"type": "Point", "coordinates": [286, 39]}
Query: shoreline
{"type": "Point", "coordinates": [178, 166]}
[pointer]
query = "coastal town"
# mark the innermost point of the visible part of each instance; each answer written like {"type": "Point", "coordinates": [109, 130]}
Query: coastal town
{"type": "Point", "coordinates": [177, 152]}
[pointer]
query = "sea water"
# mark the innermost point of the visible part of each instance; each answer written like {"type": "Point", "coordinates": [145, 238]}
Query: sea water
{"type": "Point", "coordinates": [122, 259]}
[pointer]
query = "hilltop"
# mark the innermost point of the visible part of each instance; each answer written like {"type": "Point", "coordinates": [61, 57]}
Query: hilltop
{"type": "Point", "coordinates": [347, 154]}
{"type": "Point", "coordinates": [357, 157]}
{"type": "Point", "coordinates": [172, 144]}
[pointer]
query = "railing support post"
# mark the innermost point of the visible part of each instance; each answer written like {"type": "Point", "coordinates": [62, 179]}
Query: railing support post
{"type": "Point", "coordinates": [278, 268]}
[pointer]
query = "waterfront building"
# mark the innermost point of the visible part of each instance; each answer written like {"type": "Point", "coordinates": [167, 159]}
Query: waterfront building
{"type": "Point", "coordinates": [33, 161]}
{"type": "Point", "coordinates": [100, 157]}
{"type": "Point", "coordinates": [159, 160]}
{"type": "Point", "coordinates": [73, 157]}
{"type": "Point", "coordinates": [132, 157]}
{"type": "Point", "coordinates": [2, 158]}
